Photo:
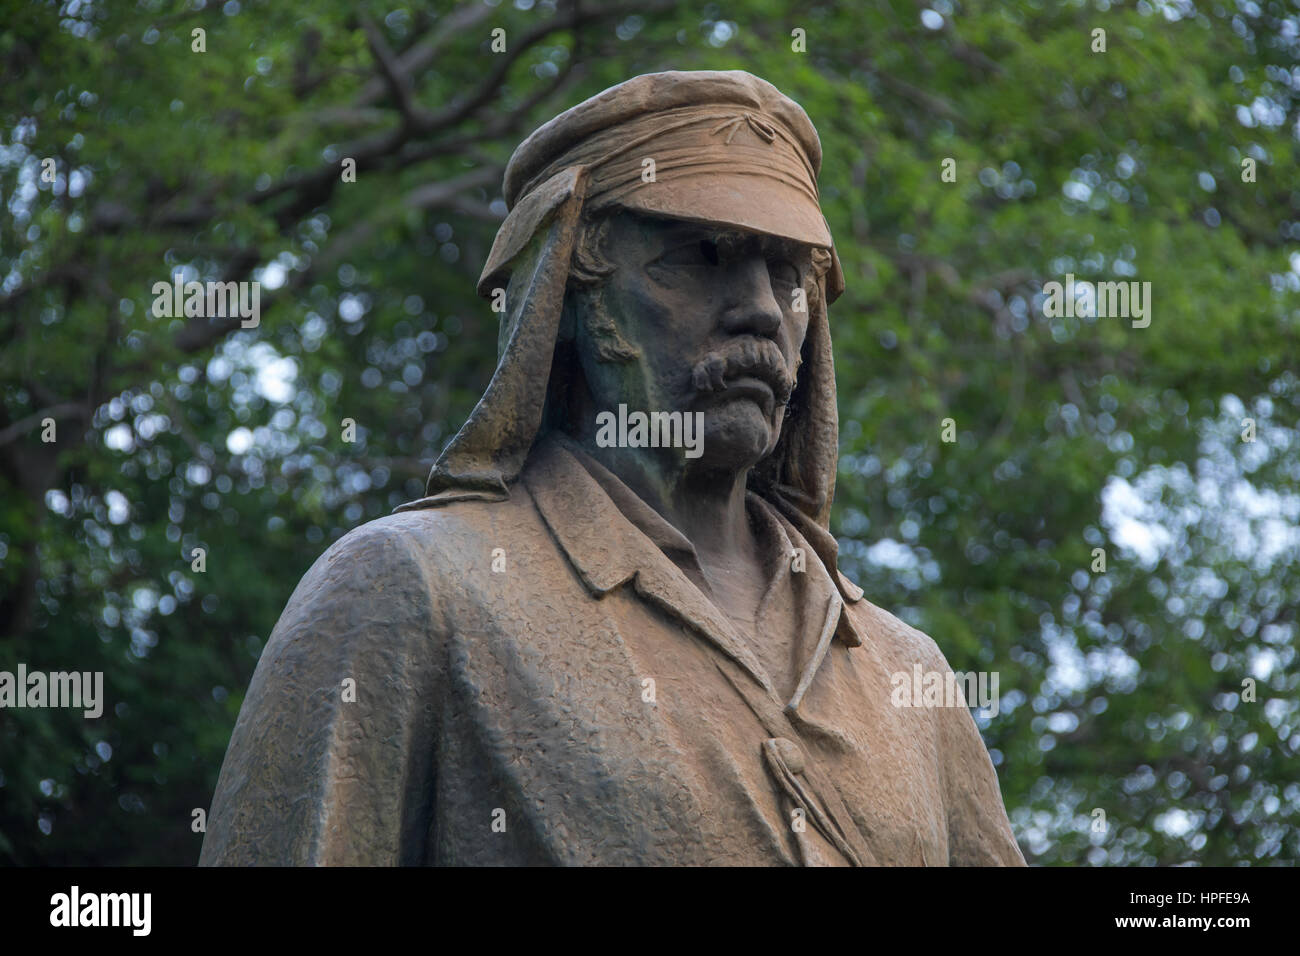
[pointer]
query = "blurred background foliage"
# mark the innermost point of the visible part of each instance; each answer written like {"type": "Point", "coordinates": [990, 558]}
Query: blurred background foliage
{"type": "Point", "coordinates": [1122, 691]}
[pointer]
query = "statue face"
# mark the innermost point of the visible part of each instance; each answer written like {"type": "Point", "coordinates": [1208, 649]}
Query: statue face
{"type": "Point", "coordinates": [714, 316]}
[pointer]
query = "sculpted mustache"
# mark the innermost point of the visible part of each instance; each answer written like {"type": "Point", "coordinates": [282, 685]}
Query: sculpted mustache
{"type": "Point", "coordinates": [761, 360]}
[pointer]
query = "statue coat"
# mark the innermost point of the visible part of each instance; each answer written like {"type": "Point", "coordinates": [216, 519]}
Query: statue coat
{"type": "Point", "coordinates": [503, 717]}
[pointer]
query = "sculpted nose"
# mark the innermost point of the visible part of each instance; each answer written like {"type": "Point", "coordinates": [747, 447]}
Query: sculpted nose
{"type": "Point", "coordinates": [750, 305]}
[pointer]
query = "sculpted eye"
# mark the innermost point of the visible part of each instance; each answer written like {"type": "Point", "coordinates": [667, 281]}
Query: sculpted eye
{"type": "Point", "coordinates": [700, 253]}
{"type": "Point", "coordinates": [783, 272]}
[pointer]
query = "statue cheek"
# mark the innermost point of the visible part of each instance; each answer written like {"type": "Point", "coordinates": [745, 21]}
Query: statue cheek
{"type": "Point", "coordinates": [794, 330]}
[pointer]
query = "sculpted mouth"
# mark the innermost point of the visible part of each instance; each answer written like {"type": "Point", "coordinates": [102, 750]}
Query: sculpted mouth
{"type": "Point", "coordinates": [748, 387]}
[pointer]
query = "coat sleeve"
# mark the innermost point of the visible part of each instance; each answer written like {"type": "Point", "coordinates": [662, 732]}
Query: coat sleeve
{"type": "Point", "coordinates": [331, 761]}
{"type": "Point", "coordinates": [979, 833]}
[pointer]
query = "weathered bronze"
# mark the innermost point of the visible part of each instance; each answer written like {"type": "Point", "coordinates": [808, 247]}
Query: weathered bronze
{"type": "Point", "coordinates": [615, 632]}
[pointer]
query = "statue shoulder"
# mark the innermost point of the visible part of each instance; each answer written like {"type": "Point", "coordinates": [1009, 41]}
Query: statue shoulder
{"type": "Point", "coordinates": [410, 549]}
{"type": "Point", "coordinates": [896, 641]}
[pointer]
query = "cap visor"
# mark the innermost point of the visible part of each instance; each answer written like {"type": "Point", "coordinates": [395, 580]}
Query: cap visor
{"type": "Point", "coordinates": [756, 204]}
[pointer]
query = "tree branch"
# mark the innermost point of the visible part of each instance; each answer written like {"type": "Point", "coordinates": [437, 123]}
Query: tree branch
{"type": "Point", "coordinates": [24, 425]}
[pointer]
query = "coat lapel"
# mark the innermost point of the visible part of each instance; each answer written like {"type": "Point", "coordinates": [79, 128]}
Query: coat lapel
{"type": "Point", "coordinates": [606, 550]}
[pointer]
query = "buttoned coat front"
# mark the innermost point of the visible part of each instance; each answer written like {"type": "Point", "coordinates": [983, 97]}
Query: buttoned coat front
{"type": "Point", "coordinates": [532, 681]}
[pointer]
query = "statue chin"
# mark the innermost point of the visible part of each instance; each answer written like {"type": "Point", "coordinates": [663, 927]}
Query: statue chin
{"type": "Point", "coordinates": [737, 434]}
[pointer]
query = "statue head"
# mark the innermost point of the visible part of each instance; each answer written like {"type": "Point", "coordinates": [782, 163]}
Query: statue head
{"type": "Point", "coordinates": [664, 249]}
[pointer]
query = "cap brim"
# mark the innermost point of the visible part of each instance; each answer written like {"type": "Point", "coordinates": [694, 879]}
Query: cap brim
{"type": "Point", "coordinates": [758, 204]}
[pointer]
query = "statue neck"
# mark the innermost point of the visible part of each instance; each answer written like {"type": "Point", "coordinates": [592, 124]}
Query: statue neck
{"type": "Point", "coordinates": [707, 505]}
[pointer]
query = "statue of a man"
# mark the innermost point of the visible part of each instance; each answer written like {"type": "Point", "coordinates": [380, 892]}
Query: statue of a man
{"type": "Point", "coordinates": [614, 632]}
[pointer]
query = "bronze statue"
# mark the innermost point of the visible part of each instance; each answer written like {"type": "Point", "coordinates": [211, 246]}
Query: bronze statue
{"type": "Point", "coordinates": [614, 631]}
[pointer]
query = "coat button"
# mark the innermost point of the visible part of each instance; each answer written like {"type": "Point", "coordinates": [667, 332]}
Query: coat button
{"type": "Point", "coordinates": [789, 753]}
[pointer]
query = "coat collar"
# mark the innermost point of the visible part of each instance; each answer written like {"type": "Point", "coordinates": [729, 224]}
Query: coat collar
{"type": "Point", "coordinates": [607, 551]}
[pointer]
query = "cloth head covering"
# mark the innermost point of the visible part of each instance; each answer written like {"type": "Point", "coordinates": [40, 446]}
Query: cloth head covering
{"type": "Point", "coordinates": [728, 149]}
